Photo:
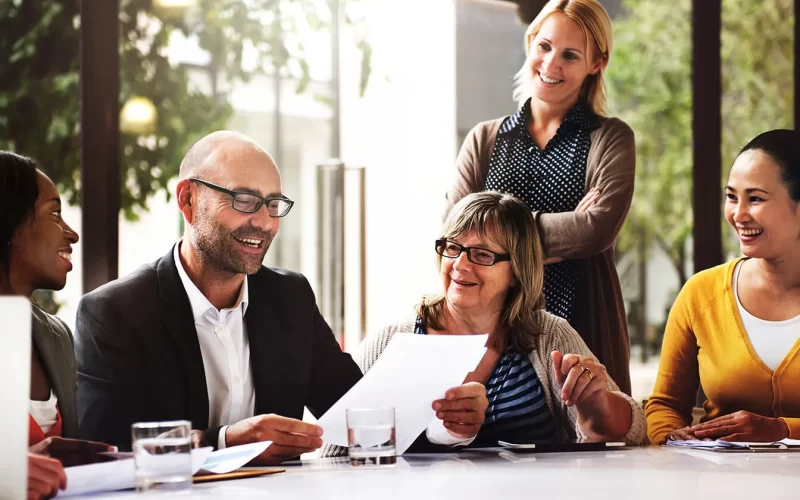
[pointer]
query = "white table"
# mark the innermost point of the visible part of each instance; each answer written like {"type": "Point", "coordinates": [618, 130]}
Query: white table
{"type": "Point", "coordinates": [641, 473]}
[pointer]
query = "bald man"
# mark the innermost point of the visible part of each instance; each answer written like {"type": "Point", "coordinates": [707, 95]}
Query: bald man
{"type": "Point", "coordinates": [208, 334]}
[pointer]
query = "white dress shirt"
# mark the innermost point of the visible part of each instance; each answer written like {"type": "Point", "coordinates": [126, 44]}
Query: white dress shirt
{"type": "Point", "coordinates": [226, 355]}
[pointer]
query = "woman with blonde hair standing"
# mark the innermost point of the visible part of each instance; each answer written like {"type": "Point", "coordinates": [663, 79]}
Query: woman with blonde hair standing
{"type": "Point", "coordinates": [571, 165]}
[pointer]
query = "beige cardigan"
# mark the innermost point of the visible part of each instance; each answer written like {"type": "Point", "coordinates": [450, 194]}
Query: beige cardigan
{"type": "Point", "coordinates": [556, 335]}
{"type": "Point", "coordinates": [586, 237]}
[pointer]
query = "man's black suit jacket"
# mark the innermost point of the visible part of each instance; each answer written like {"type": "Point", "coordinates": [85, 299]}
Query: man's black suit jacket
{"type": "Point", "coordinates": [139, 358]}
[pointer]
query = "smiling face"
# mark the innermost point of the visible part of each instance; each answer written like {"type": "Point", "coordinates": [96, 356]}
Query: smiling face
{"type": "Point", "coordinates": [226, 239]}
{"type": "Point", "coordinates": [560, 60]}
{"type": "Point", "coordinates": [760, 209]}
{"type": "Point", "coordinates": [41, 249]}
{"type": "Point", "coordinates": [472, 287]}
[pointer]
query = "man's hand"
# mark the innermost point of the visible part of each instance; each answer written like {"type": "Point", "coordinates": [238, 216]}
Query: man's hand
{"type": "Point", "coordinates": [45, 477]}
{"type": "Point", "coordinates": [290, 438]}
{"type": "Point", "coordinates": [463, 409]}
{"type": "Point", "coordinates": [742, 426]}
{"type": "Point", "coordinates": [72, 451]}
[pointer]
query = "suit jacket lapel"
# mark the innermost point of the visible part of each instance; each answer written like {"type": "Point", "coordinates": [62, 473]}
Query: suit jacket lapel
{"type": "Point", "coordinates": [179, 322]}
{"type": "Point", "coordinates": [266, 349]}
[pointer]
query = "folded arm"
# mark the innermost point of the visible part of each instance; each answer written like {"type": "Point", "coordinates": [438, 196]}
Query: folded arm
{"type": "Point", "coordinates": [579, 234]}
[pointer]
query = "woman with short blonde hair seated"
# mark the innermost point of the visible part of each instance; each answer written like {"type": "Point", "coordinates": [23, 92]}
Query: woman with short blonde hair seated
{"type": "Point", "coordinates": [542, 382]}
{"type": "Point", "coordinates": [734, 328]}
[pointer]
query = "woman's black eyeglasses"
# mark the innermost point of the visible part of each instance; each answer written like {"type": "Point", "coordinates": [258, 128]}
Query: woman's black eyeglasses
{"type": "Point", "coordinates": [479, 256]}
{"type": "Point", "coordinates": [248, 203]}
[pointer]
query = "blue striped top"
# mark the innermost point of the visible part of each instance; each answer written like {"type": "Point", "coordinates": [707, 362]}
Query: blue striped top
{"type": "Point", "coordinates": [517, 412]}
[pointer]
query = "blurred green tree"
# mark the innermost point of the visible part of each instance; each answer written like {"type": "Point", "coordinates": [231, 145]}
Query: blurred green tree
{"type": "Point", "coordinates": [649, 85]}
{"type": "Point", "coordinates": [39, 100]}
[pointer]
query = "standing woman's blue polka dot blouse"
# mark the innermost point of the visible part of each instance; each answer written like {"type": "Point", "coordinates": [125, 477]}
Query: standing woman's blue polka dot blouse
{"type": "Point", "coordinates": [550, 180]}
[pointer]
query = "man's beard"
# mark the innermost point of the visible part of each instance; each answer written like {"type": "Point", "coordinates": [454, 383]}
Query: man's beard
{"type": "Point", "coordinates": [216, 245]}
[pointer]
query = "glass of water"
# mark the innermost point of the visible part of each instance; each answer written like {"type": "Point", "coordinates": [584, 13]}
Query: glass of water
{"type": "Point", "coordinates": [371, 436]}
{"type": "Point", "coordinates": [163, 455]}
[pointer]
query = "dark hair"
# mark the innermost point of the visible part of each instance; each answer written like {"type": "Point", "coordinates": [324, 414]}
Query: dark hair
{"type": "Point", "coordinates": [783, 146]}
{"type": "Point", "coordinates": [18, 193]}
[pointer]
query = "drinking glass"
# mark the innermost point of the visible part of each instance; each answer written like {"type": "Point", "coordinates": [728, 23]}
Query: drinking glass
{"type": "Point", "coordinates": [371, 436]}
{"type": "Point", "coordinates": [162, 454]}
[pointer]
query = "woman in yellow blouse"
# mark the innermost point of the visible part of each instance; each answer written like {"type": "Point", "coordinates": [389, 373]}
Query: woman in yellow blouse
{"type": "Point", "coordinates": [735, 328]}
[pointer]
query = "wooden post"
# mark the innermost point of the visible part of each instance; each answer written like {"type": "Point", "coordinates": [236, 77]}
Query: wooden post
{"type": "Point", "coordinates": [797, 64]}
{"type": "Point", "coordinates": [706, 133]}
{"type": "Point", "coordinates": [100, 140]}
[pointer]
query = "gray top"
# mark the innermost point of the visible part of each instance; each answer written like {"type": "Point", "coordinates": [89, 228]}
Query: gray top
{"type": "Point", "coordinates": [53, 341]}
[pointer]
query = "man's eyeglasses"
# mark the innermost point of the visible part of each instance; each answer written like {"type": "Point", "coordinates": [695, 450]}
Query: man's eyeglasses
{"type": "Point", "coordinates": [248, 203]}
{"type": "Point", "coordinates": [479, 256]}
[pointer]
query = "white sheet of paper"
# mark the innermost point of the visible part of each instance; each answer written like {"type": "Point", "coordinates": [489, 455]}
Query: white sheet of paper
{"type": "Point", "coordinates": [116, 475]}
{"type": "Point", "coordinates": [230, 459]}
{"type": "Point", "coordinates": [440, 362]}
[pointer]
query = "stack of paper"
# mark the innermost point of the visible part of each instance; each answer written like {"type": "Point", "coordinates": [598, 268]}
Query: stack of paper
{"type": "Point", "coordinates": [120, 474]}
{"type": "Point", "coordinates": [719, 445]}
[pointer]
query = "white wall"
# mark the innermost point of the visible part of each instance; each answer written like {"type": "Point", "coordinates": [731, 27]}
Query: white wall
{"type": "Point", "coordinates": [404, 132]}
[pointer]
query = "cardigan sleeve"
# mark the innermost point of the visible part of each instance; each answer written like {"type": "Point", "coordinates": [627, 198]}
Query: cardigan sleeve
{"type": "Point", "coordinates": [794, 427]}
{"type": "Point", "coordinates": [567, 341]}
{"type": "Point", "coordinates": [472, 163]}
{"type": "Point", "coordinates": [571, 235]}
{"type": "Point", "coordinates": [675, 392]}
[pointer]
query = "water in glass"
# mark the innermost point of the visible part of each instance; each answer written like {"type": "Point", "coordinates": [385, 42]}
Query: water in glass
{"type": "Point", "coordinates": [371, 444]}
{"type": "Point", "coordinates": [163, 464]}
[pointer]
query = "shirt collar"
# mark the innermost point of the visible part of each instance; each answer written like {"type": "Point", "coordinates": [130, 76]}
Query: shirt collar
{"type": "Point", "coordinates": [200, 304]}
{"type": "Point", "coordinates": [578, 117]}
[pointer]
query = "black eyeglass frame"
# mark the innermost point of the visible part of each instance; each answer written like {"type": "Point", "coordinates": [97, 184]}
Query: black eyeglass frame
{"type": "Point", "coordinates": [262, 201]}
{"type": "Point", "coordinates": [498, 257]}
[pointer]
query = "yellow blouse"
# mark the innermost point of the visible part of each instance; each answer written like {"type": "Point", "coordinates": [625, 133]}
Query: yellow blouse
{"type": "Point", "coordinates": [705, 342]}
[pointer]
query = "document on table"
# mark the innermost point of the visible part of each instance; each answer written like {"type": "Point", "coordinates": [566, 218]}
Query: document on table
{"type": "Point", "coordinates": [412, 372]}
{"type": "Point", "coordinates": [719, 445]}
{"type": "Point", "coordinates": [120, 474]}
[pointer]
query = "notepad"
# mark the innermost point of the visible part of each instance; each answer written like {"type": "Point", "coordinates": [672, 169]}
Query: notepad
{"type": "Point", "coordinates": [239, 474]}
